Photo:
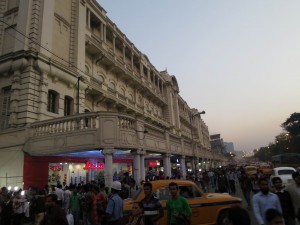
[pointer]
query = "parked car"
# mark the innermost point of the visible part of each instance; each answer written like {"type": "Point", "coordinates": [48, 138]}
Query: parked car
{"type": "Point", "coordinates": [207, 208]}
{"type": "Point", "coordinates": [285, 173]}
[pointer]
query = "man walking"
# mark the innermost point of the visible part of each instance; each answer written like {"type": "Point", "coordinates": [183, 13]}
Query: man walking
{"type": "Point", "coordinates": [246, 186]}
{"type": "Point", "coordinates": [114, 209]}
{"type": "Point", "coordinates": [232, 180]}
{"type": "Point", "coordinates": [178, 209]}
{"type": "Point", "coordinates": [285, 201]}
{"type": "Point", "coordinates": [294, 190]}
{"type": "Point", "coordinates": [264, 200]}
{"type": "Point", "coordinates": [153, 209]}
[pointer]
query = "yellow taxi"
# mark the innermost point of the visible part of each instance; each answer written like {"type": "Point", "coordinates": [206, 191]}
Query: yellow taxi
{"type": "Point", "coordinates": [207, 208]}
{"type": "Point", "coordinates": [265, 169]}
{"type": "Point", "coordinates": [251, 171]}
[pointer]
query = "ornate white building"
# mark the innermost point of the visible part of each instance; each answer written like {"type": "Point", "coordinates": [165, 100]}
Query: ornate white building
{"type": "Point", "coordinates": [72, 83]}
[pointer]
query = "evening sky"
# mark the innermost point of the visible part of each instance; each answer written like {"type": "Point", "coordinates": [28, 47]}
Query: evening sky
{"type": "Point", "coordinates": [237, 60]}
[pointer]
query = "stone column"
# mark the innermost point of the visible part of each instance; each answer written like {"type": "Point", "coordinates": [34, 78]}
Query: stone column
{"type": "Point", "coordinates": [196, 161]}
{"type": "Point", "coordinates": [132, 60]}
{"type": "Point", "coordinates": [206, 164]}
{"type": "Point", "coordinates": [139, 165]}
{"type": "Point", "coordinates": [142, 165]}
{"type": "Point", "coordinates": [88, 18]}
{"type": "Point", "coordinates": [124, 49]}
{"type": "Point", "coordinates": [149, 76]}
{"type": "Point", "coordinates": [104, 33]}
{"type": "Point", "coordinates": [108, 172]}
{"type": "Point", "coordinates": [193, 161]}
{"type": "Point", "coordinates": [183, 167]}
{"type": "Point", "coordinates": [167, 165]}
{"type": "Point", "coordinates": [141, 68]}
{"type": "Point", "coordinates": [201, 161]}
{"type": "Point", "coordinates": [136, 166]}
{"type": "Point", "coordinates": [114, 43]}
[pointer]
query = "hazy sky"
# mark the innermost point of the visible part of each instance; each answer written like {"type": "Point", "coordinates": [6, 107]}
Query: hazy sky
{"type": "Point", "coordinates": [237, 60]}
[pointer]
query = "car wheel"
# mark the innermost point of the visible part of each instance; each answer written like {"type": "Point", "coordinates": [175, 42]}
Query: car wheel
{"type": "Point", "coordinates": [222, 218]}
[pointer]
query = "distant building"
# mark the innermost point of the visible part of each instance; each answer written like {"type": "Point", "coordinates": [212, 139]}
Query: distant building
{"type": "Point", "coordinates": [216, 142]}
{"type": "Point", "coordinates": [229, 147]}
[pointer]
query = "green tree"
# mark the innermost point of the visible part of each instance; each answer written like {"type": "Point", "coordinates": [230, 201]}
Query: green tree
{"type": "Point", "coordinates": [292, 124]}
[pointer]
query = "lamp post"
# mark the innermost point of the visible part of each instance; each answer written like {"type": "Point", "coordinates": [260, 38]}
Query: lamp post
{"type": "Point", "coordinates": [192, 137]}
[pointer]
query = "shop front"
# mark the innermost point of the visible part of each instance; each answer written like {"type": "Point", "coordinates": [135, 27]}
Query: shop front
{"type": "Point", "coordinates": [49, 170]}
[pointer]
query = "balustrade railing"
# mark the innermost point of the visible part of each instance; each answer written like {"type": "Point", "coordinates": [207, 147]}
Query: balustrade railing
{"type": "Point", "coordinates": [125, 122]}
{"type": "Point", "coordinates": [78, 122]}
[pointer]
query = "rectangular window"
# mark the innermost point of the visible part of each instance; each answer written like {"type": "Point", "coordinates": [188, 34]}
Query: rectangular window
{"type": "Point", "coordinates": [8, 40]}
{"type": "Point", "coordinates": [4, 107]}
{"type": "Point", "coordinates": [53, 98]}
{"type": "Point", "coordinates": [69, 106]}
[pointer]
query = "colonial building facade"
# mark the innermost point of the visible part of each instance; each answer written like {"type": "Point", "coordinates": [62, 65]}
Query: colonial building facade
{"type": "Point", "coordinates": [75, 89]}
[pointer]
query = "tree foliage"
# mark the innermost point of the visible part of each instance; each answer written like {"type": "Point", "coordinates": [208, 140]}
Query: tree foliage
{"type": "Point", "coordinates": [292, 124]}
{"type": "Point", "coordinates": [286, 142]}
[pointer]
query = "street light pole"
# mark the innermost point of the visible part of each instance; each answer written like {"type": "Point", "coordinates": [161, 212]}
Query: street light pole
{"type": "Point", "coordinates": [192, 137]}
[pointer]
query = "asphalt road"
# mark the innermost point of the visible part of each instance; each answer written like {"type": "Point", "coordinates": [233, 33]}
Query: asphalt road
{"type": "Point", "coordinates": [239, 193]}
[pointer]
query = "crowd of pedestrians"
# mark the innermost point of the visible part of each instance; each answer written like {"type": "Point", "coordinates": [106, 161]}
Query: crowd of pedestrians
{"type": "Point", "coordinates": [271, 202]}
{"type": "Point", "coordinates": [51, 205]}
{"type": "Point", "coordinates": [94, 204]}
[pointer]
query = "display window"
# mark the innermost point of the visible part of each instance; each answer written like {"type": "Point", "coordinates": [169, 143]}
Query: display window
{"type": "Point", "coordinates": [75, 173]}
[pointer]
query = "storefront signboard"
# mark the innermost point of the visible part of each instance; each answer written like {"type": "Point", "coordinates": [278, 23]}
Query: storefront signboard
{"type": "Point", "coordinates": [153, 163]}
{"type": "Point", "coordinates": [93, 166]}
{"type": "Point", "coordinates": [56, 167]}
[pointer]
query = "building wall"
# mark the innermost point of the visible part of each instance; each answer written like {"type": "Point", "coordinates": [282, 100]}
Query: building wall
{"type": "Point", "coordinates": [11, 167]}
{"type": "Point", "coordinates": [72, 43]}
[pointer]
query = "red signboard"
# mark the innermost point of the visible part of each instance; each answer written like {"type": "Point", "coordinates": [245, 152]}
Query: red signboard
{"type": "Point", "coordinates": [93, 166]}
{"type": "Point", "coordinates": [153, 163]}
{"type": "Point", "coordinates": [56, 167]}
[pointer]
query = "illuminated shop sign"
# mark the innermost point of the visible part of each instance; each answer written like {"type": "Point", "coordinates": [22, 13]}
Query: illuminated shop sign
{"type": "Point", "coordinates": [94, 166]}
{"type": "Point", "coordinates": [56, 167]}
{"type": "Point", "coordinates": [153, 163]}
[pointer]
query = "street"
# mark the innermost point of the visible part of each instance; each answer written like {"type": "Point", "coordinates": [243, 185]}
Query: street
{"type": "Point", "coordinates": [239, 193]}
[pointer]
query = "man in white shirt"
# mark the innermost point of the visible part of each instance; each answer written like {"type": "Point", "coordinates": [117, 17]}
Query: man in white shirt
{"type": "Point", "coordinates": [66, 202]}
{"type": "Point", "coordinates": [60, 195]}
{"type": "Point", "coordinates": [264, 200]}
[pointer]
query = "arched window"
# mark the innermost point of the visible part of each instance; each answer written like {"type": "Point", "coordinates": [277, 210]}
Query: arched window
{"type": "Point", "coordinates": [111, 86]}
{"type": "Point", "coordinates": [130, 97]}
{"type": "Point", "coordinates": [122, 91]}
{"type": "Point", "coordinates": [101, 78]}
{"type": "Point", "coordinates": [53, 101]}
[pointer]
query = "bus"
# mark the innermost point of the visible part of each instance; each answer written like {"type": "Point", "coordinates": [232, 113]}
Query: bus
{"type": "Point", "coordinates": [286, 159]}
